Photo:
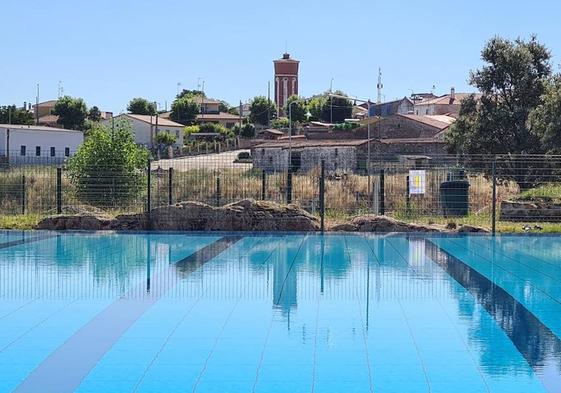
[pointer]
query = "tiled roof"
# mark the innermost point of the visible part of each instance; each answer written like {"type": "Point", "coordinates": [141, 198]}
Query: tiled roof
{"type": "Point", "coordinates": [218, 116]}
{"type": "Point", "coordinates": [46, 103]}
{"type": "Point", "coordinates": [152, 120]}
{"type": "Point", "coordinates": [405, 141]}
{"type": "Point", "coordinates": [271, 131]}
{"type": "Point", "coordinates": [445, 100]}
{"type": "Point", "coordinates": [48, 119]}
{"type": "Point", "coordinates": [303, 143]}
{"type": "Point", "coordinates": [440, 122]}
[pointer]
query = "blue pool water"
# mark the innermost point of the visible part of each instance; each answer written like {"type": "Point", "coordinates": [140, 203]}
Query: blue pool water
{"type": "Point", "coordinates": [92, 312]}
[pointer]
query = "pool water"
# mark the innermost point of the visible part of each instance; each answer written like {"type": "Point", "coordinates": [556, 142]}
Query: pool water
{"type": "Point", "coordinates": [181, 312]}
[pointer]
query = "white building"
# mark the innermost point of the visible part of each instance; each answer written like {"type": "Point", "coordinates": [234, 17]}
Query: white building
{"type": "Point", "coordinates": [21, 144]}
{"type": "Point", "coordinates": [145, 128]}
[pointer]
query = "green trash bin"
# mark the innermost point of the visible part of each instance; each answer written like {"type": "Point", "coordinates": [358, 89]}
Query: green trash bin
{"type": "Point", "coordinates": [454, 196]}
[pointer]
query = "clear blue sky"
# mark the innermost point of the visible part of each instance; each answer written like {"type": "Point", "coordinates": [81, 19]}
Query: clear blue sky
{"type": "Point", "coordinates": [109, 51]}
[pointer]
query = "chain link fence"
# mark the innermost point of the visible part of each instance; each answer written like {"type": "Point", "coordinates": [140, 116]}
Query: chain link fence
{"type": "Point", "coordinates": [480, 190]}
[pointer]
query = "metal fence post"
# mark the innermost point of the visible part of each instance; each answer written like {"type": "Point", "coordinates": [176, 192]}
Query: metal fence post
{"type": "Point", "coordinates": [322, 197]}
{"type": "Point", "coordinates": [381, 195]}
{"type": "Point", "coordinates": [289, 187]}
{"type": "Point", "coordinates": [22, 194]}
{"type": "Point", "coordinates": [494, 202]}
{"type": "Point", "coordinates": [407, 197]}
{"type": "Point", "coordinates": [263, 185]}
{"type": "Point", "coordinates": [170, 186]}
{"type": "Point", "coordinates": [218, 191]}
{"type": "Point", "coordinates": [59, 190]}
{"type": "Point", "coordinates": [149, 189]}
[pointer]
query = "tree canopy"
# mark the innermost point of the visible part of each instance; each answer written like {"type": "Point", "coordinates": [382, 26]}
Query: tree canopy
{"type": "Point", "coordinates": [165, 138]}
{"type": "Point", "coordinates": [184, 110]}
{"type": "Point", "coordinates": [512, 83]}
{"type": "Point", "coordinates": [191, 93]}
{"type": "Point", "coordinates": [280, 123]}
{"type": "Point", "coordinates": [71, 112]}
{"type": "Point", "coordinates": [94, 114]}
{"type": "Point", "coordinates": [11, 114]}
{"type": "Point", "coordinates": [545, 119]}
{"type": "Point", "coordinates": [141, 106]}
{"type": "Point", "coordinates": [336, 109]}
{"type": "Point", "coordinates": [331, 109]}
{"type": "Point", "coordinates": [298, 107]}
{"type": "Point", "coordinates": [215, 128]}
{"type": "Point", "coordinates": [262, 110]}
{"type": "Point", "coordinates": [247, 130]}
{"type": "Point", "coordinates": [109, 168]}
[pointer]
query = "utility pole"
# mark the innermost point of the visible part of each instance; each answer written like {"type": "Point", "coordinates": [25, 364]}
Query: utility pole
{"type": "Point", "coordinates": [37, 106]}
{"type": "Point", "coordinates": [240, 112]}
{"type": "Point", "coordinates": [269, 103]}
{"type": "Point", "coordinates": [203, 108]}
{"type": "Point", "coordinates": [331, 101]}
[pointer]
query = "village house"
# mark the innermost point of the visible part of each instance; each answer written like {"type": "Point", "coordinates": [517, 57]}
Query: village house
{"type": "Point", "coordinates": [448, 104]}
{"type": "Point", "coordinates": [44, 113]}
{"type": "Point", "coordinates": [269, 134]}
{"type": "Point", "coordinates": [392, 127]}
{"type": "Point", "coordinates": [145, 128]}
{"type": "Point", "coordinates": [397, 107]}
{"type": "Point", "coordinates": [209, 112]}
{"type": "Point", "coordinates": [22, 144]}
{"type": "Point", "coordinates": [343, 155]}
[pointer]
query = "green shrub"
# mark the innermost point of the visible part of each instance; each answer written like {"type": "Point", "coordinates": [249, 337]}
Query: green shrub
{"type": "Point", "coordinates": [109, 167]}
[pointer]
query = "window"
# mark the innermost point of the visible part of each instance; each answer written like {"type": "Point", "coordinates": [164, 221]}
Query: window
{"type": "Point", "coordinates": [22, 150]}
{"type": "Point", "coordinates": [38, 151]}
{"type": "Point", "coordinates": [67, 152]}
{"type": "Point", "coordinates": [53, 151]}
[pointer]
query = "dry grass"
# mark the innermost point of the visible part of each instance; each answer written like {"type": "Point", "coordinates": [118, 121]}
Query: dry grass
{"type": "Point", "coordinates": [346, 195]}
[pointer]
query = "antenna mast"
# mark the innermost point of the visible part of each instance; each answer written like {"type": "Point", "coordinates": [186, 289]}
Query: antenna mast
{"type": "Point", "coordinates": [380, 86]}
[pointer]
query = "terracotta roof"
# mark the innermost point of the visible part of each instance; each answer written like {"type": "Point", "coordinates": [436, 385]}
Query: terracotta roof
{"type": "Point", "coordinates": [219, 116]}
{"type": "Point", "coordinates": [48, 119]}
{"type": "Point", "coordinates": [152, 120]}
{"type": "Point", "coordinates": [303, 143]}
{"type": "Point", "coordinates": [198, 100]}
{"type": "Point", "coordinates": [46, 103]}
{"type": "Point", "coordinates": [293, 137]}
{"type": "Point", "coordinates": [440, 122]}
{"type": "Point", "coordinates": [445, 100]}
{"type": "Point", "coordinates": [271, 131]}
{"type": "Point", "coordinates": [405, 141]}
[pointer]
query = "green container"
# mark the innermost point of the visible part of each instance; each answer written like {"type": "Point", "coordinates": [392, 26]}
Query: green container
{"type": "Point", "coordinates": [455, 198]}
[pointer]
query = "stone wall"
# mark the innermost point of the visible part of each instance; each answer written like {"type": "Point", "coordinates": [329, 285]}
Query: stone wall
{"type": "Point", "coordinates": [337, 159]}
{"type": "Point", "coordinates": [529, 211]}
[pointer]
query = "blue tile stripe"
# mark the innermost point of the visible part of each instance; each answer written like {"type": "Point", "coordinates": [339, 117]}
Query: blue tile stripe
{"type": "Point", "coordinates": [495, 300]}
{"type": "Point", "coordinates": [65, 368]}
{"type": "Point", "coordinates": [25, 240]}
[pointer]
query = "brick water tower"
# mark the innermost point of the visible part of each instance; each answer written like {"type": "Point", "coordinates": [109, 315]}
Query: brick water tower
{"type": "Point", "coordinates": [286, 80]}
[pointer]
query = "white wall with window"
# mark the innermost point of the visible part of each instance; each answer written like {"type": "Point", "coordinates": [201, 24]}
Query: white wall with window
{"type": "Point", "coordinates": [35, 144]}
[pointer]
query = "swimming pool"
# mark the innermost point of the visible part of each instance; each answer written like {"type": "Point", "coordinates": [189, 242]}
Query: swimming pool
{"type": "Point", "coordinates": [181, 312]}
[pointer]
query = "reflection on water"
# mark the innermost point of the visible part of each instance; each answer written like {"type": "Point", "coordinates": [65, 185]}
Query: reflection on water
{"type": "Point", "coordinates": [311, 279]}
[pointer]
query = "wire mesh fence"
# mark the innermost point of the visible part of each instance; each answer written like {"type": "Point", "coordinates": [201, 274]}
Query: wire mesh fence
{"type": "Point", "coordinates": [483, 190]}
